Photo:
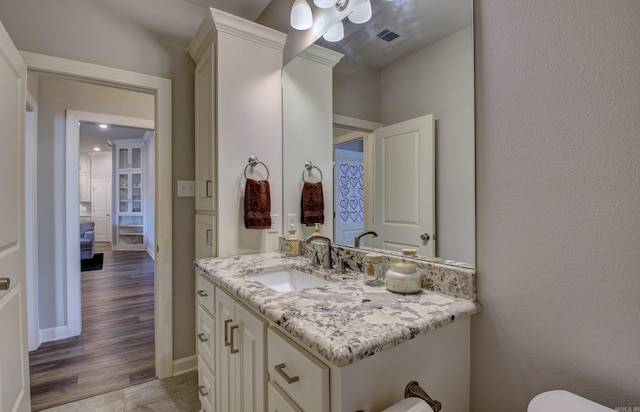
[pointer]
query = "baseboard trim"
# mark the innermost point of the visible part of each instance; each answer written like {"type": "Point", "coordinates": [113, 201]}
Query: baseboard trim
{"type": "Point", "coordinates": [150, 253]}
{"type": "Point", "coordinates": [55, 333]}
{"type": "Point", "coordinates": [184, 365]}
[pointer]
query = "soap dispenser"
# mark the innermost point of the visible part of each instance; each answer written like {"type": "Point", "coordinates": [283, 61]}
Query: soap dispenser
{"type": "Point", "coordinates": [291, 243]}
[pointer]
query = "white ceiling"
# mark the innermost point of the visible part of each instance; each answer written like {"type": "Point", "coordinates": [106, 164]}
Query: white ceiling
{"type": "Point", "coordinates": [91, 136]}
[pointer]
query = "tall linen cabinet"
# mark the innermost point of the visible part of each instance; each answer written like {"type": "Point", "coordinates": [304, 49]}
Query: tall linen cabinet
{"type": "Point", "coordinates": [238, 113]}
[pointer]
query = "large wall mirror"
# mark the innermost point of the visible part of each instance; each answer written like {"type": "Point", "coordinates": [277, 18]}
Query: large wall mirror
{"type": "Point", "coordinates": [399, 128]}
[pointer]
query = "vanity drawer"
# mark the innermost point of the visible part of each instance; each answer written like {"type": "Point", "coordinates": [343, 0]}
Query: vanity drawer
{"type": "Point", "coordinates": [206, 387]}
{"type": "Point", "coordinates": [301, 376]}
{"type": "Point", "coordinates": [279, 401]}
{"type": "Point", "coordinates": [204, 293]}
{"type": "Point", "coordinates": [205, 337]}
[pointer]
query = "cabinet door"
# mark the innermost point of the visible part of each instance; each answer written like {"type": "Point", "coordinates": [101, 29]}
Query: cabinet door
{"type": "Point", "coordinates": [205, 236]}
{"type": "Point", "coordinates": [251, 343]}
{"type": "Point", "coordinates": [124, 195]}
{"type": "Point", "coordinates": [228, 380]}
{"type": "Point", "coordinates": [205, 112]}
{"type": "Point", "coordinates": [84, 180]}
{"type": "Point", "coordinates": [136, 192]}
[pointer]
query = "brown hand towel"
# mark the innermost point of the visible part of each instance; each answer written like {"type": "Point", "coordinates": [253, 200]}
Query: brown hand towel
{"type": "Point", "coordinates": [257, 204]}
{"type": "Point", "coordinates": [312, 204]}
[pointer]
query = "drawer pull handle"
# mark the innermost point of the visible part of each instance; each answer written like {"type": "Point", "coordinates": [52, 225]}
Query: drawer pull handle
{"type": "Point", "coordinates": [207, 184]}
{"type": "Point", "coordinates": [280, 369]}
{"type": "Point", "coordinates": [202, 392]}
{"type": "Point", "coordinates": [234, 327]}
{"type": "Point", "coordinates": [227, 342]}
{"type": "Point", "coordinates": [202, 293]}
{"type": "Point", "coordinates": [202, 337]}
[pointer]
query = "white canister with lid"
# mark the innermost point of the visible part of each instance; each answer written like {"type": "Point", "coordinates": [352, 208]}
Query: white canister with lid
{"type": "Point", "coordinates": [402, 277]}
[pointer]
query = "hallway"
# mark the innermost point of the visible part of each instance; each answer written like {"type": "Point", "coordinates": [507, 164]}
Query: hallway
{"type": "Point", "coordinates": [116, 348]}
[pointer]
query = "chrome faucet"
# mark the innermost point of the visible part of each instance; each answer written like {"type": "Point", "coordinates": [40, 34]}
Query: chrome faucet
{"type": "Point", "coordinates": [326, 260]}
{"type": "Point", "coordinates": [360, 235]}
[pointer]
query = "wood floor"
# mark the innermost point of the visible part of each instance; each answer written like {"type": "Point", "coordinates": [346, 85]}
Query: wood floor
{"type": "Point", "coordinates": [116, 348]}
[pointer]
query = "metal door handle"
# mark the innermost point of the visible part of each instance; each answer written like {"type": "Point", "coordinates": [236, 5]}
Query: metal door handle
{"type": "Point", "coordinates": [202, 392]}
{"type": "Point", "coordinates": [234, 327]}
{"type": "Point", "coordinates": [280, 369]}
{"type": "Point", "coordinates": [202, 293]}
{"type": "Point", "coordinates": [5, 283]}
{"type": "Point", "coordinates": [425, 237]}
{"type": "Point", "coordinates": [226, 333]}
{"type": "Point", "coordinates": [208, 237]}
{"type": "Point", "coordinates": [202, 337]}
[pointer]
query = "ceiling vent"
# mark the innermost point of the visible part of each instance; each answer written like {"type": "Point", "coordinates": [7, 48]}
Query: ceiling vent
{"type": "Point", "coordinates": [390, 36]}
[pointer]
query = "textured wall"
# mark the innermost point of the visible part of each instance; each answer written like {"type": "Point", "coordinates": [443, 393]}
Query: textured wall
{"type": "Point", "coordinates": [558, 202]}
{"type": "Point", "coordinates": [146, 36]}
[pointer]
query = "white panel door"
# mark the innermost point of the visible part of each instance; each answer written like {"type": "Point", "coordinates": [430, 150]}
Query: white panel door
{"type": "Point", "coordinates": [253, 375]}
{"type": "Point", "coordinates": [349, 195]}
{"type": "Point", "coordinates": [101, 203]}
{"type": "Point", "coordinates": [404, 170]}
{"type": "Point", "coordinates": [14, 362]}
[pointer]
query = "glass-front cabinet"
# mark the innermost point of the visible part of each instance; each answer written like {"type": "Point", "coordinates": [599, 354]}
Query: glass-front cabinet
{"type": "Point", "coordinates": [130, 207]}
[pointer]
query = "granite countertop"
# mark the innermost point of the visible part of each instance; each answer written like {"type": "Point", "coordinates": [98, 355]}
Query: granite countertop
{"type": "Point", "coordinates": [345, 320]}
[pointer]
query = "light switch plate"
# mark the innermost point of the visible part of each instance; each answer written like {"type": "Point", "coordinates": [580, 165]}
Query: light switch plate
{"type": "Point", "coordinates": [186, 188]}
{"type": "Point", "coordinates": [275, 222]}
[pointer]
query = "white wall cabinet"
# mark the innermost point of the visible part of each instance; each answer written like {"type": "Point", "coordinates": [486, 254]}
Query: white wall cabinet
{"type": "Point", "coordinates": [233, 122]}
{"type": "Point", "coordinates": [129, 196]}
{"type": "Point", "coordinates": [205, 236]}
{"type": "Point", "coordinates": [241, 382]}
{"type": "Point", "coordinates": [205, 117]}
{"type": "Point", "coordinates": [84, 179]}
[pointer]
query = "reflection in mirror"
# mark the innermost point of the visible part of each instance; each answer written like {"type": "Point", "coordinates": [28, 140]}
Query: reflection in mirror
{"type": "Point", "coordinates": [403, 130]}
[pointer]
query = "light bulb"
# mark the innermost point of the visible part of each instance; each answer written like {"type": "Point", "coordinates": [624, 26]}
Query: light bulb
{"type": "Point", "coordinates": [335, 33]}
{"type": "Point", "coordinates": [361, 13]}
{"type": "Point", "coordinates": [324, 4]}
{"type": "Point", "coordinates": [301, 18]}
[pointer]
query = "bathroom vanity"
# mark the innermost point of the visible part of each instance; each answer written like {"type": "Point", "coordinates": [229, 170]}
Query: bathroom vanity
{"type": "Point", "coordinates": [341, 346]}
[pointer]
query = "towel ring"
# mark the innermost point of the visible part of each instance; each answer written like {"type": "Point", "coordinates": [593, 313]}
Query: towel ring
{"type": "Point", "coordinates": [308, 166]}
{"type": "Point", "coordinates": [253, 161]}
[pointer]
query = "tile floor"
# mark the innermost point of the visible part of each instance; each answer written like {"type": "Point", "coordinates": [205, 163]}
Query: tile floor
{"type": "Point", "coordinates": [177, 394]}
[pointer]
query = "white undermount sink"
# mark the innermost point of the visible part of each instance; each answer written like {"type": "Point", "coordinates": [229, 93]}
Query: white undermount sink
{"type": "Point", "coordinates": [287, 280]}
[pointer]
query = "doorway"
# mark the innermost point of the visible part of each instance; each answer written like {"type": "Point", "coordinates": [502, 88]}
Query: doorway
{"type": "Point", "coordinates": [160, 88]}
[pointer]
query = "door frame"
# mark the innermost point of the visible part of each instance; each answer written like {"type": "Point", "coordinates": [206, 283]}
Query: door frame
{"type": "Point", "coordinates": [163, 265]}
{"type": "Point", "coordinates": [363, 129]}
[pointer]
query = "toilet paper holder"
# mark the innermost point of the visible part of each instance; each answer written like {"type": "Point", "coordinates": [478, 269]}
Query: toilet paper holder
{"type": "Point", "coordinates": [413, 390]}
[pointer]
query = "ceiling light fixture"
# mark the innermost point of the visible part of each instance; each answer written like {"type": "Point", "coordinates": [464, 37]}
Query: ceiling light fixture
{"type": "Point", "coordinates": [361, 14]}
{"type": "Point", "coordinates": [96, 149]}
{"type": "Point", "coordinates": [335, 33]}
{"type": "Point", "coordinates": [301, 18]}
{"type": "Point", "coordinates": [103, 126]}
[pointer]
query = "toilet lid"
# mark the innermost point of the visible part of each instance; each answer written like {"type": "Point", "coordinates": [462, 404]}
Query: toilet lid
{"type": "Point", "coordinates": [562, 401]}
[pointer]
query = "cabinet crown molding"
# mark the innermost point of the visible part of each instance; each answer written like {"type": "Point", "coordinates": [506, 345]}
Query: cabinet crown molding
{"type": "Point", "coordinates": [321, 55]}
{"type": "Point", "coordinates": [217, 21]}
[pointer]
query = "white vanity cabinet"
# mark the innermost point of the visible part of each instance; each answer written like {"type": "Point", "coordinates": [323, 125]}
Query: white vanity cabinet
{"type": "Point", "coordinates": [206, 342]}
{"type": "Point", "coordinates": [241, 381]}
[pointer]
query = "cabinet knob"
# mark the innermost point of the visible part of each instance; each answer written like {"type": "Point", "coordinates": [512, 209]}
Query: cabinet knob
{"type": "Point", "coordinates": [202, 337]}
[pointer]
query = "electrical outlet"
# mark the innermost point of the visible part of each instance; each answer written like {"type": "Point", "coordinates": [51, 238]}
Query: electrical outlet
{"type": "Point", "coordinates": [275, 222]}
{"type": "Point", "coordinates": [292, 221]}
